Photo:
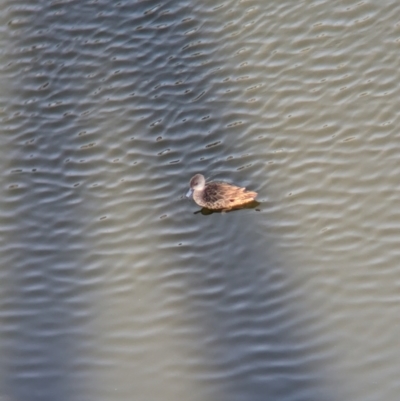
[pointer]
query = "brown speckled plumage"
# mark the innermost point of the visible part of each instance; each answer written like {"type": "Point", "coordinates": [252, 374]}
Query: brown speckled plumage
{"type": "Point", "coordinates": [217, 195]}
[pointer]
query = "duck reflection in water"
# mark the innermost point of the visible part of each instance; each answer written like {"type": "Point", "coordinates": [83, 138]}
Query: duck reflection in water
{"type": "Point", "coordinates": [217, 196]}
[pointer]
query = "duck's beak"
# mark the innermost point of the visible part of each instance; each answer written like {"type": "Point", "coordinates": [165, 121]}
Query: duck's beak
{"type": "Point", "coordinates": [189, 193]}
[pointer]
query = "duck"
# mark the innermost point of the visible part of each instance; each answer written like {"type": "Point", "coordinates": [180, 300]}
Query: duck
{"type": "Point", "coordinates": [217, 195]}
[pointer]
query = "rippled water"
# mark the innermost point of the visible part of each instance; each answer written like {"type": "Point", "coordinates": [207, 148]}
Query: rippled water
{"type": "Point", "coordinates": [112, 287]}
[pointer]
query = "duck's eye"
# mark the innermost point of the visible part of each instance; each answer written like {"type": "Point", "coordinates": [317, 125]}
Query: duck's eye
{"type": "Point", "coordinates": [195, 183]}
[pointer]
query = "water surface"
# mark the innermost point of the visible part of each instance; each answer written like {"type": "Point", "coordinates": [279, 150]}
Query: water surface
{"type": "Point", "coordinates": [112, 288]}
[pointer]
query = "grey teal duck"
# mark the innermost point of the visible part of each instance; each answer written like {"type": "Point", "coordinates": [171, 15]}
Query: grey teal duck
{"type": "Point", "coordinates": [216, 195]}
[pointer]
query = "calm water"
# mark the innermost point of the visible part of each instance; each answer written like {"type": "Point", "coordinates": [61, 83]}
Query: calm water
{"type": "Point", "coordinates": [112, 288]}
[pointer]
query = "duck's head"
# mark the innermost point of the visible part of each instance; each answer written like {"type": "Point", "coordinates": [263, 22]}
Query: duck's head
{"type": "Point", "coordinates": [197, 183]}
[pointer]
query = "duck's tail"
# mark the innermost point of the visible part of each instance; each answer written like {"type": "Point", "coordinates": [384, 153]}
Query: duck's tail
{"type": "Point", "coordinates": [253, 194]}
{"type": "Point", "coordinates": [249, 195]}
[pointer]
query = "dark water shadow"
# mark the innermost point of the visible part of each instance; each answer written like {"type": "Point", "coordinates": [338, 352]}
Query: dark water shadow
{"type": "Point", "coordinates": [43, 323]}
{"type": "Point", "coordinates": [258, 349]}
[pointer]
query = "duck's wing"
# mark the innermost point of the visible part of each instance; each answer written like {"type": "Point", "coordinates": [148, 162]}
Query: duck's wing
{"type": "Point", "coordinates": [227, 195]}
{"type": "Point", "coordinates": [215, 191]}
